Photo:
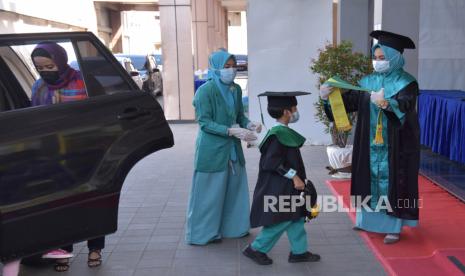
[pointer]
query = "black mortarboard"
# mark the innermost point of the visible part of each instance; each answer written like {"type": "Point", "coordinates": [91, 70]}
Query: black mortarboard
{"type": "Point", "coordinates": [281, 99]}
{"type": "Point", "coordinates": [396, 41]}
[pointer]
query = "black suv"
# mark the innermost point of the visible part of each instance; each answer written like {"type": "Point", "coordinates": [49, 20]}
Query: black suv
{"type": "Point", "coordinates": [62, 166]}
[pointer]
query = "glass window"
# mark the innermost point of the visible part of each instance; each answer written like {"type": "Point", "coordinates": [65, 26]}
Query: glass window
{"type": "Point", "coordinates": [22, 77]}
{"type": "Point", "coordinates": [138, 61]}
{"type": "Point", "coordinates": [101, 77]}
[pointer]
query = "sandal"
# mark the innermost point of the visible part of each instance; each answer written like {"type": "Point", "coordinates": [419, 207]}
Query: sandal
{"type": "Point", "coordinates": [61, 265]}
{"type": "Point", "coordinates": [95, 258]}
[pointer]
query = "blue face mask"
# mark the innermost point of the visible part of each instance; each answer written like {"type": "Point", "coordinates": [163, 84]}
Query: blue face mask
{"type": "Point", "coordinates": [228, 75]}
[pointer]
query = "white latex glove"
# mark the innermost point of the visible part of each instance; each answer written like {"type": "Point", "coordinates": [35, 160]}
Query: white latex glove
{"type": "Point", "coordinates": [325, 90]}
{"type": "Point", "coordinates": [242, 133]}
{"type": "Point", "coordinates": [254, 126]}
{"type": "Point", "coordinates": [378, 98]}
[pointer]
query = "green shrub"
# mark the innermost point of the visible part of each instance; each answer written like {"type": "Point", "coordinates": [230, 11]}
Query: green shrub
{"type": "Point", "coordinates": [338, 60]}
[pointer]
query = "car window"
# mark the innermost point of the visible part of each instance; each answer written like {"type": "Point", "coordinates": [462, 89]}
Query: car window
{"type": "Point", "coordinates": [93, 74]}
{"type": "Point", "coordinates": [22, 81]}
{"type": "Point", "coordinates": [139, 62]}
{"type": "Point", "coordinates": [101, 78]}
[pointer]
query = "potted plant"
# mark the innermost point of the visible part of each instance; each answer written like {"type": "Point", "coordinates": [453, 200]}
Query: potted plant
{"type": "Point", "coordinates": [338, 60]}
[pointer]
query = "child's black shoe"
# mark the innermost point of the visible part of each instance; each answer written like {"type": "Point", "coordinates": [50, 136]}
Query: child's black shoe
{"type": "Point", "coordinates": [305, 257]}
{"type": "Point", "coordinates": [257, 256]}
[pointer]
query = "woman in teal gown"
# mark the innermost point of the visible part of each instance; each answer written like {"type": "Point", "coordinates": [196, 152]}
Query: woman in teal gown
{"type": "Point", "coordinates": [386, 151]}
{"type": "Point", "coordinates": [219, 204]}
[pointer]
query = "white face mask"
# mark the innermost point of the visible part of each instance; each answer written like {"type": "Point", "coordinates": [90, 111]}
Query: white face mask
{"type": "Point", "coordinates": [381, 66]}
{"type": "Point", "coordinates": [295, 117]}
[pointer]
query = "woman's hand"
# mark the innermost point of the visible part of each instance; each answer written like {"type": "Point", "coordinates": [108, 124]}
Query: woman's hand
{"type": "Point", "coordinates": [254, 126]}
{"type": "Point", "coordinates": [378, 99]}
{"type": "Point", "coordinates": [298, 183]}
{"type": "Point", "coordinates": [325, 90]}
{"type": "Point", "coordinates": [242, 133]}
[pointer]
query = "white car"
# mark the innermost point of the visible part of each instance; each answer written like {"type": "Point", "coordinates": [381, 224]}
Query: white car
{"type": "Point", "coordinates": [129, 67]}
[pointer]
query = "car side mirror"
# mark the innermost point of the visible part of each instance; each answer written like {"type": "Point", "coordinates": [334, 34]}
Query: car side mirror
{"type": "Point", "coordinates": [134, 73]}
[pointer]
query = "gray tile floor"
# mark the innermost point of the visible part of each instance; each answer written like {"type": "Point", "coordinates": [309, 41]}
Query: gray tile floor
{"type": "Point", "coordinates": [150, 236]}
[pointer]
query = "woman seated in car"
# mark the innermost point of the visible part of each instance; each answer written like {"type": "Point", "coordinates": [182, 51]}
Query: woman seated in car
{"type": "Point", "coordinates": [58, 81]}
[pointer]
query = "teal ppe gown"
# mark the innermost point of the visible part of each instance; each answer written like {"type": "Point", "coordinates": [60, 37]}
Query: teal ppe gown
{"type": "Point", "coordinates": [219, 204]}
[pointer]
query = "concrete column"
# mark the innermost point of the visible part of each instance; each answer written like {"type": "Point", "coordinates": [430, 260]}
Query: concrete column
{"type": "Point", "coordinates": [402, 17]}
{"type": "Point", "coordinates": [355, 23]}
{"type": "Point", "coordinates": [217, 25]}
{"type": "Point", "coordinates": [209, 30]}
{"type": "Point", "coordinates": [211, 24]}
{"type": "Point", "coordinates": [178, 73]}
{"type": "Point", "coordinates": [200, 34]}
{"type": "Point", "coordinates": [224, 27]}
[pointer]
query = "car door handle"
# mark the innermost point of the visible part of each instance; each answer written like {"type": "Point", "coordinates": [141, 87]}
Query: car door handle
{"type": "Point", "coordinates": [132, 113]}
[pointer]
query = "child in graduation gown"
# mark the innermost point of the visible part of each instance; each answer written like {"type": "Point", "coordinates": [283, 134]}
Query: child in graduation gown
{"type": "Point", "coordinates": [281, 174]}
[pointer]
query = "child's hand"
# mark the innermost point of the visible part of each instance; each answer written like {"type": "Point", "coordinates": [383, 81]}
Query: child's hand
{"type": "Point", "coordinates": [298, 183]}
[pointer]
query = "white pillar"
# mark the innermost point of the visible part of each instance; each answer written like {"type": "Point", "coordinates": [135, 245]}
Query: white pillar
{"type": "Point", "coordinates": [178, 72]}
{"type": "Point", "coordinates": [283, 38]}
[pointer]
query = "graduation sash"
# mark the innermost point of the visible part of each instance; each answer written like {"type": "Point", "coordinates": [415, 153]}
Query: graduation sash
{"type": "Point", "coordinates": [286, 136]}
{"type": "Point", "coordinates": [337, 105]}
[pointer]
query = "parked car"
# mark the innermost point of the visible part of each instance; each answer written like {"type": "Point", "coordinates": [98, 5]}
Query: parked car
{"type": "Point", "coordinates": [62, 166]}
{"type": "Point", "coordinates": [242, 62]}
{"type": "Point", "coordinates": [129, 67]}
{"type": "Point", "coordinates": [148, 70]}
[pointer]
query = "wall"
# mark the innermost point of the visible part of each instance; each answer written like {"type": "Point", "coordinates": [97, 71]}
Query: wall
{"type": "Point", "coordinates": [403, 17]}
{"type": "Point", "coordinates": [75, 14]}
{"type": "Point", "coordinates": [282, 40]}
{"type": "Point", "coordinates": [442, 42]}
{"type": "Point", "coordinates": [354, 24]}
{"type": "Point", "coordinates": [143, 31]}
{"type": "Point", "coordinates": [17, 23]}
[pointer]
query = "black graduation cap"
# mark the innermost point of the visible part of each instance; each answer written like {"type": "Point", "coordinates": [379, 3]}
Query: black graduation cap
{"type": "Point", "coordinates": [396, 41]}
{"type": "Point", "coordinates": [280, 99]}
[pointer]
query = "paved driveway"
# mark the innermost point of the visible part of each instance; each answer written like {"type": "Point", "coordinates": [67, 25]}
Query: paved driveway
{"type": "Point", "coordinates": [150, 236]}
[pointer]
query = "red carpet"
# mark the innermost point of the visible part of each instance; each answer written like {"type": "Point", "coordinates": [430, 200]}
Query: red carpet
{"type": "Point", "coordinates": [428, 248]}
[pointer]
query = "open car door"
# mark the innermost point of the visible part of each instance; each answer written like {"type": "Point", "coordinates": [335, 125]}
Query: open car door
{"type": "Point", "coordinates": [62, 165]}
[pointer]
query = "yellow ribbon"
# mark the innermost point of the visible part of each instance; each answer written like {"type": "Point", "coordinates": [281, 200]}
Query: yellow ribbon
{"type": "Point", "coordinates": [339, 111]}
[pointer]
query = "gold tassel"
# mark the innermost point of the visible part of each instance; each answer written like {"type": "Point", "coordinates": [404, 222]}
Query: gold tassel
{"type": "Point", "coordinates": [379, 130]}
